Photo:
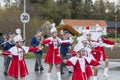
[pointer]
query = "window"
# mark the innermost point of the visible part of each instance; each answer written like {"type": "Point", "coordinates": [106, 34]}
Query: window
{"type": "Point", "coordinates": [82, 28]}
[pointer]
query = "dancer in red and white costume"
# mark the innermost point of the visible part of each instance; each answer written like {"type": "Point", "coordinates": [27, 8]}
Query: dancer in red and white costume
{"type": "Point", "coordinates": [53, 55]}
{"type": "Point", "coordinates": [88, 54]}
{"type": "Point", "coordinates": [98, 51]}
{"type": "Point", "coordinates": [79, 63]}
{"type": "Point", "coordinates": [18, 66]}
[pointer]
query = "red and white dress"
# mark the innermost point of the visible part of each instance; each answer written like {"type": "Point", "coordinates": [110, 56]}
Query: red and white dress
{"type": "Point", "coordinates": [52, 56]}
{"type": "Point", "coordinates": [88, 67]}
{"type": "Point", "coordinates": [98, 52]}
{"type": "Point", "coordinates": [18, 66]}
{"type": "Point", "coordinates": [79, 65]}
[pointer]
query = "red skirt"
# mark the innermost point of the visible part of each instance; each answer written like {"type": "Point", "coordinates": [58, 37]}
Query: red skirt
{"type": "Point", "coordinates": [53, 57]}
{"type": "Point", "coordinates": [98, 55]}
{"type": "Point", "coordinates": [79, 76]}
{"type": "Point", "coordinates": [89, 71]}
{"type": "Point", "coordinates": [17, 68]}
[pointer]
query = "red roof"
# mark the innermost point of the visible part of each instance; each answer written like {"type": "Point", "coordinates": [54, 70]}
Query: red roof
{"type": "Point", "coordinates": [84, 22]}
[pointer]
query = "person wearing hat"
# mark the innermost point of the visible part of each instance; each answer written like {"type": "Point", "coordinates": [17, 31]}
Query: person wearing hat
{"type": "Point", "coordinates": [98, 42]}
{"type": "Point", "coordinates": [53, 56]}
{"type": "Point", "coordinates": [65, 48]}
{"type": "Point", "coordinates": [85, 44]}
{"type": "Point", "coordinates": [18, 68]}
{"type": "Point", "coordinates": [35, 42]}
{"type": "Point", "coordinates": [79, 63]}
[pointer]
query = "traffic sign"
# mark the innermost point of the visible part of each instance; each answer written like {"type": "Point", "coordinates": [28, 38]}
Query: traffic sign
{"type": "Point", "coordinates": [25, 17]}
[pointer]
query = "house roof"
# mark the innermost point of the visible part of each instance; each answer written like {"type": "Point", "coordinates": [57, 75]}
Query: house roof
{"type": "Point", "coordinates": [69, 28]}
{"type": "Point", "coordinates": [84, 22]}
{"type": "Point", "coordinates": [113, 23]}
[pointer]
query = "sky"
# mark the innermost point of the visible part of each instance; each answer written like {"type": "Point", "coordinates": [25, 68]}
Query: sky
{"type": "Point", "coordinates": [110, 1]}
{"type": "Point", "coordinates": [2, 3]}
{"type": "Point", "coordinates": [55, 0]}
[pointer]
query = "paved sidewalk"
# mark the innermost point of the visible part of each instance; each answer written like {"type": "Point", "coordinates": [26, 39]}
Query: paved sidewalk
{"type": "Point", "coordinates": [114, 72]}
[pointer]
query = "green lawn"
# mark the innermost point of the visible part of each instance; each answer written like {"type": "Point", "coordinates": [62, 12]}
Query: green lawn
{"type": "Point", "coordinates": [32, 55]}
{"type": "Point", "coordinates": [116, 40]}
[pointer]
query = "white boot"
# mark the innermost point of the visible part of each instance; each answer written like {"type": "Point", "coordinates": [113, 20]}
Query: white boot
{"type": "Point", "coordinates": [95, 78]}
{"type": "Point", "coordinates": [48, 76]}
{"type": "Point", "coordinates": [105, 72]}
{"type": "Point", "coordinates": [91, 78]}
{"type": "Point", "coordinates": [59, 75]}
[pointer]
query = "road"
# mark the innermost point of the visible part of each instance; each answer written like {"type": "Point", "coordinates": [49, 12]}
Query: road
{"type": "Point", "coordinates": [114, 72]}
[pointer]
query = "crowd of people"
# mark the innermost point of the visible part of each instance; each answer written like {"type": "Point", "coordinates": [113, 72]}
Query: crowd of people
{"type": "Point", "coordinates": [80, 58]}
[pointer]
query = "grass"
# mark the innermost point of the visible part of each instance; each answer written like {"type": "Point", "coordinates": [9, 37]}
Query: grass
{"type": "Point", "coordinates": [116, 40]}
{"type": "Point", "coordinates": [32, 55]}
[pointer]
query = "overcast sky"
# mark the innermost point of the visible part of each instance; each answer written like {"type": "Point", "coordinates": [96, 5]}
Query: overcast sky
{"type": "Point", "coordinates": [110, 0]}
{"type": "Point", "coordinates": [93, 0]}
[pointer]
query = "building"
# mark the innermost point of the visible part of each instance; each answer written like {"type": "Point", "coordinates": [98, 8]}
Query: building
{"type": "Point", "coordinates": [112, 26]}
{"type": "Point", "coordinates": [80, 25]}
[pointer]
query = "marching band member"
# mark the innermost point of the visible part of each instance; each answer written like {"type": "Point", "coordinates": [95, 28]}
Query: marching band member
{"type": "Point", "coordinates": [5, 46]}
{"type": "Point", "coordinates": [18, 66]}
{"type": "Point", "coordinates": [85, 44]}
{"type": "Point", "coordinates": [99, 53]}
{"type": "Point", "coordinates": [53, 56]}
{"type": "Point", "coordinates": [79, 63]}
{"type": "Point", "coordinates": [35, 42]}
{"type": "Point", "coordinates": [65, 49]}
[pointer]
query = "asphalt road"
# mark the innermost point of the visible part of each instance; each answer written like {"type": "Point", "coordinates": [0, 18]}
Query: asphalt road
{"type": "Point", "coordinates": [114, 72]}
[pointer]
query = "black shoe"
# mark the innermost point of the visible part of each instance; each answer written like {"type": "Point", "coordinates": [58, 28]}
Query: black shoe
{"type": "Point", "coordinates": [5, 73]}
{"type": "Point", "coordinates": [70, 72]}
{"type": "Point", "coordinates": [62, 73]}
{"type": "Point", "coordinates": [36, 69]}
{"type": "Point", "coordinates": [41, 69]}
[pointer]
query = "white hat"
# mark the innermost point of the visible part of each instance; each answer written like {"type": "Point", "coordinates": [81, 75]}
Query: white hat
{"type": "Point", "coordinates": [88, 32]}
{"type": "Point", "coordinates": [78, 48]}
{"type": "Point", "coordinates": [53, 24]}
{"type": "Point", "coordinates": [18, 37]}
{"type": "Point", "coordinates": [18, 31]}
{"type": "Point", "coordinates": [99, 29]}
{"type": "Point", "coordinates": [53, 30]}
{"type": "Point", "coordinates": [85, 40]}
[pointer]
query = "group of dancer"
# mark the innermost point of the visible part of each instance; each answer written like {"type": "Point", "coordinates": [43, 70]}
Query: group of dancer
{"type": "Point", "coordinates": [81, 58]}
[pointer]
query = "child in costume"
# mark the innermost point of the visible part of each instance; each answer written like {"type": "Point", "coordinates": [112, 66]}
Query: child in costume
{"type": "Point", "coordinates": [98, 51]}
{"type": "Point", "coordinates": [53, 56]}
{"type": "Point", "coordinates": [79, 63]}
{"type": "Point", "coordinates": [18, 66]}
